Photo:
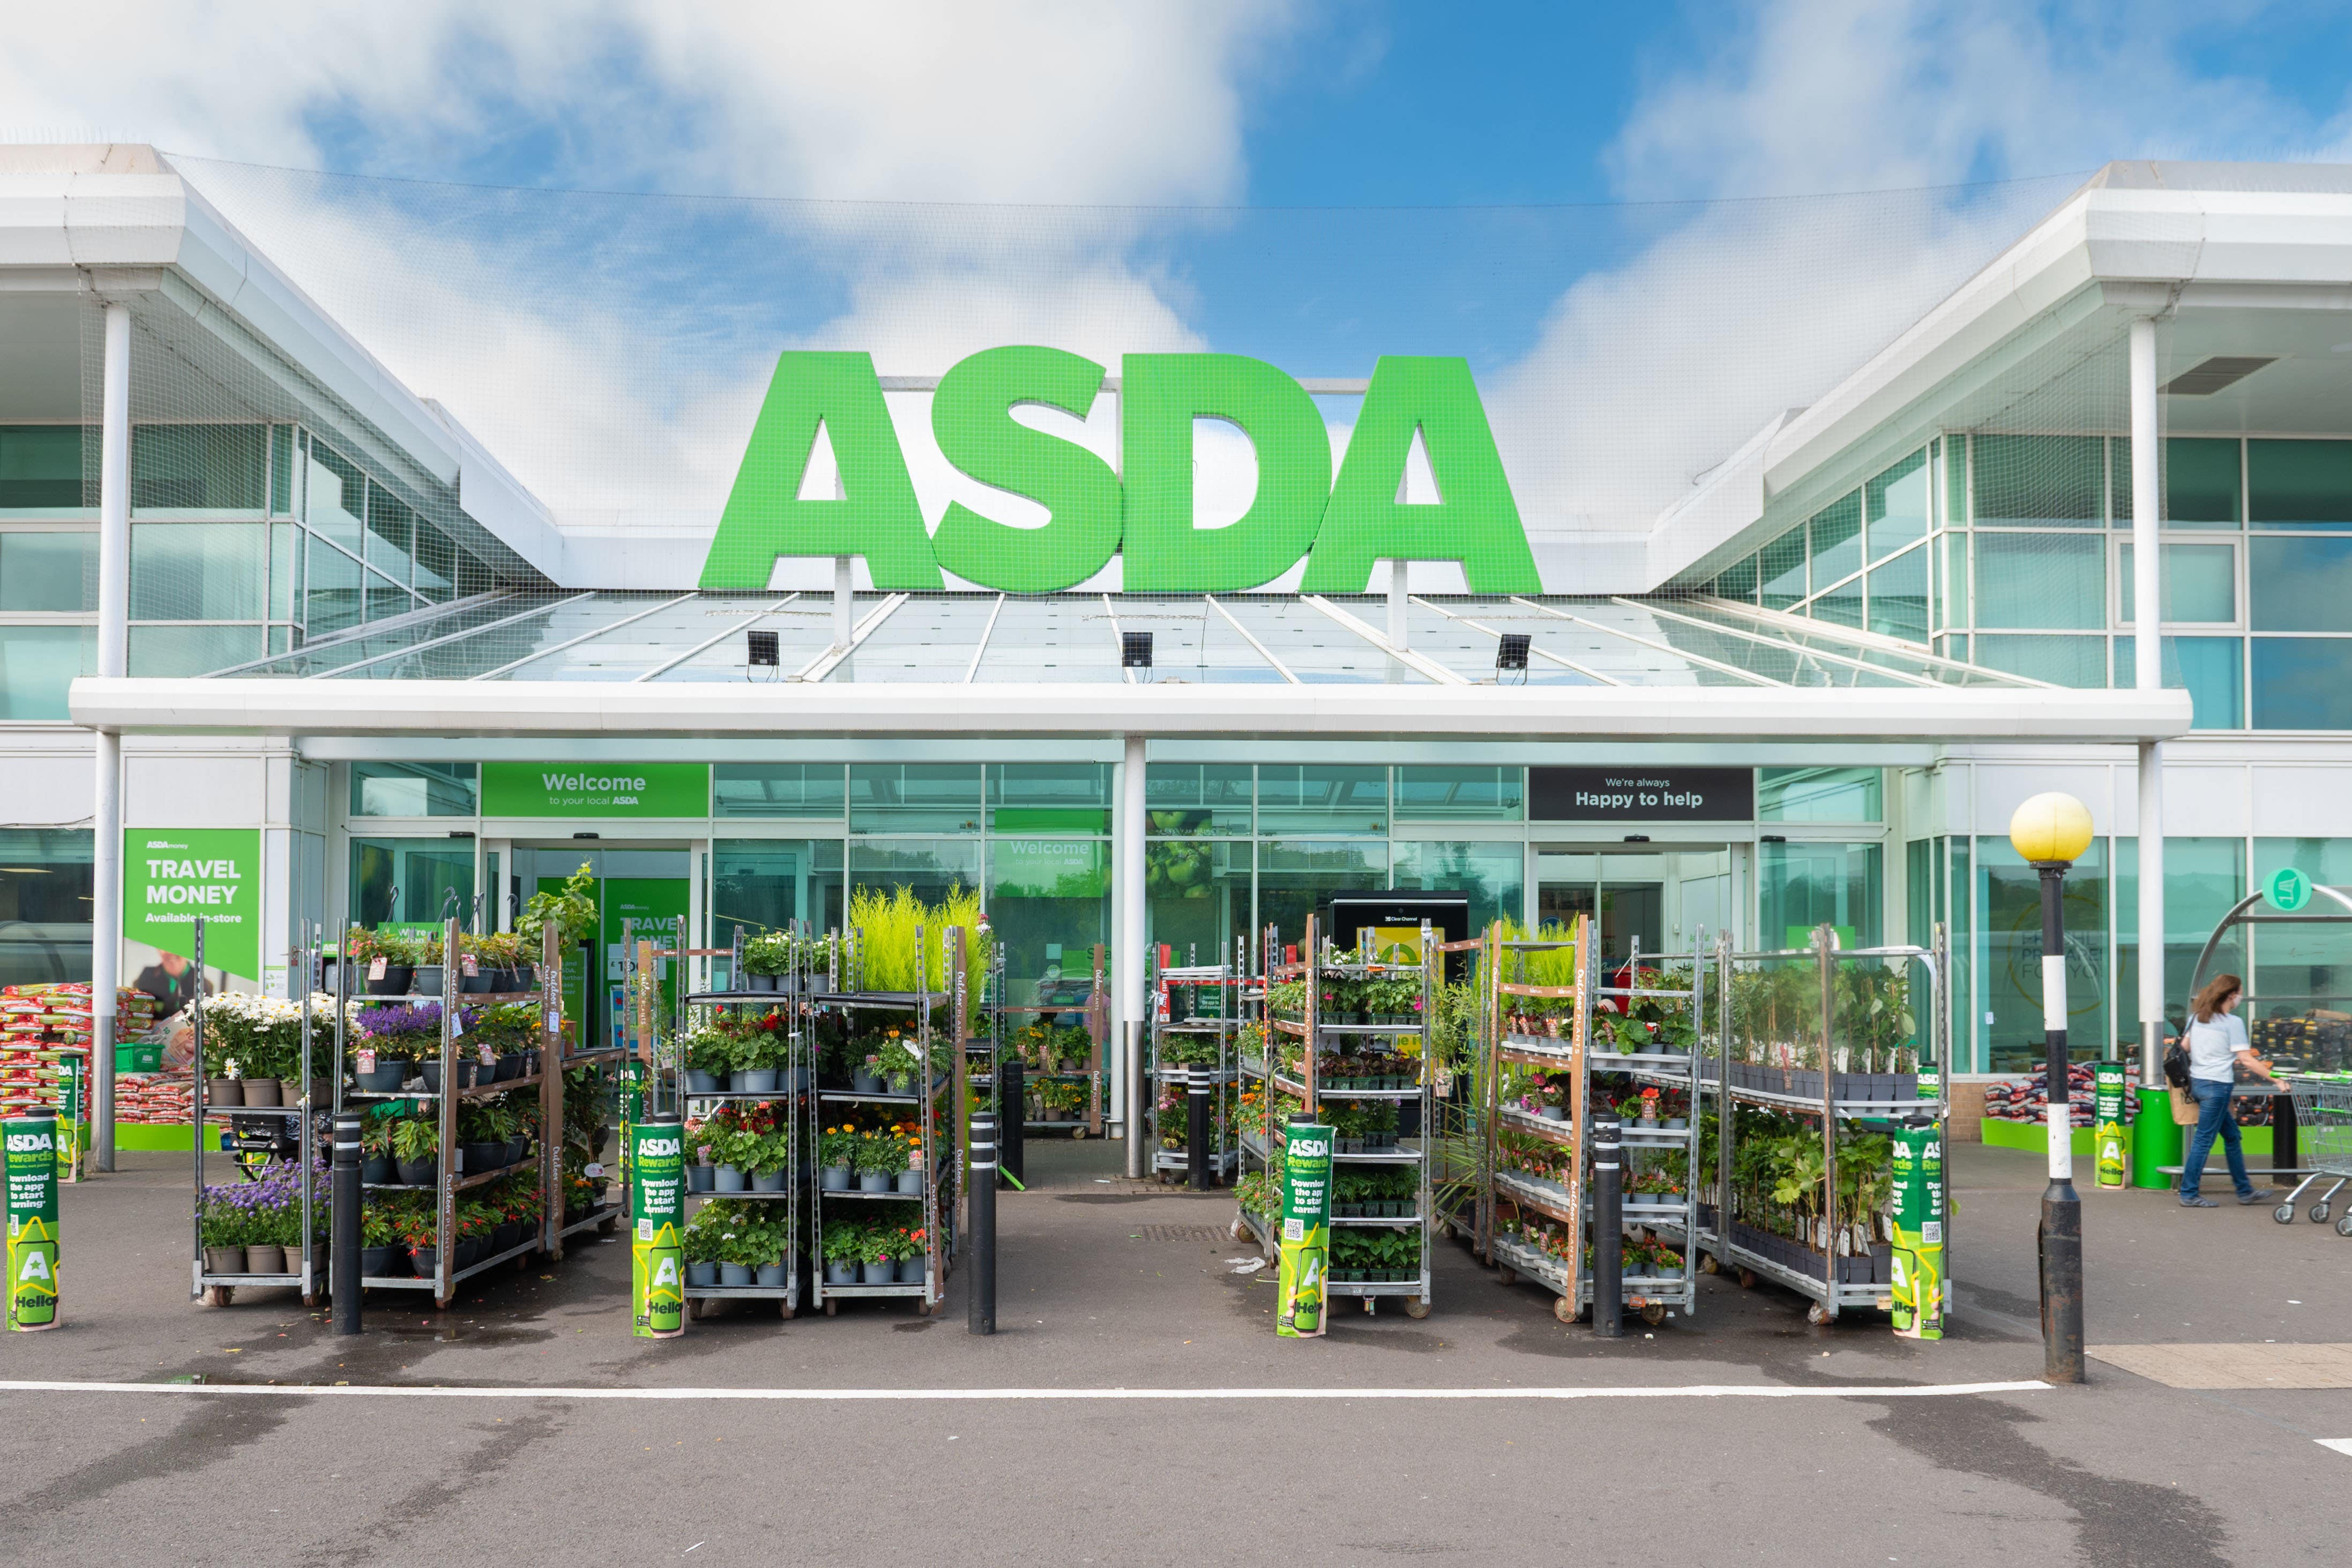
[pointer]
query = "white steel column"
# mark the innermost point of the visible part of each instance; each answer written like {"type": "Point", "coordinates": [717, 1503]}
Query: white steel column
{"type": "Point", "coordinates": [1399, 608]}
{"type": "Point", "coordinates": [2147, 672]}
{"type": "Point", "coordinates": [114, 659]}
{"type": "Point", "coordinates": [1129, 928]}
{"type": "Point", "coordinates": [844, 598]}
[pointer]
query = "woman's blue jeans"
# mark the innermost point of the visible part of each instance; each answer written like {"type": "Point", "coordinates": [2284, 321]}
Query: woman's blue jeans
{"type": "Point", "coordinates": [2213, 1119]}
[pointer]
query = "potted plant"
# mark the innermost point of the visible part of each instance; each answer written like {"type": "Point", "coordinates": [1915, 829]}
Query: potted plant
{"type": "Point", "coordinates": [379, 1237]}
{"type": "Point", "coordinates": [914, 1263]}
{"type": "Point", "coordinates": [376, 1166]}
{"type": "Point", "coordinates": [707, 1056]}
{"type": "Point", "coordinates": [879, 1161]}
{"type": "Point", "coordinates": [844, 1246]}
{"type": "Point", "coordinates": [877, 1257]}
{"type": "Point", "coordinates": [910, 1175]}
{"type": "Point", "coordinates": [771, 1150]}
{"type": "Point", "coordinates": [384, 969]}
{"type": "Point", "coordinates": [422, 1236]}
{"type": "Point", "coordinates": [223, 1232]}
{"type": "Point", "coordinates": [732, 1150]}
{"type": "Point", "coordinates": [755, 1054]}
{"type": "Point", "coordinates": [416, 1149]}
{"type": "Point", "coordinates": [837, 1158]}
{"type": "Point", "coordinates": [700, 1246]}
{"type": "Point", "coordinates": [702, 1161]}
{"type": "Point", "coordinates": [767, 960]}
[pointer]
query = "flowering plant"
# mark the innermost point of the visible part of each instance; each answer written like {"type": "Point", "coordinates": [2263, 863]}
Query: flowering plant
{"type": "Point", "coordinates": [405, 1030]}
{"type": "Point", "coordinates": [261, 1036]}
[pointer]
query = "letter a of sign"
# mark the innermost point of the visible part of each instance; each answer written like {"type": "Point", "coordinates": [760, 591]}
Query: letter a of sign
{"type": "Point", "coordinates": [1474, 521]}
{"type": "Point", "coordinates": [879, 518]}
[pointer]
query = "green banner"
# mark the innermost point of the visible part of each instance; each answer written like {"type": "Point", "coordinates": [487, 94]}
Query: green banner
{"type": "Point", "coordinates": [1920, 1289]}
{"type": "Point", "coordinates": [172, 875]}
{"type": "Point", "coordinates": [656, 1213]}
{"type": "Point", "coordinates": [32, 1155]}
{"type": "Point", "coordinates": [2108, 1120]}
{"type": "Point", "coordinates": [1299, 1311]}
{"type": "Point", "coordinates": [584, 786]}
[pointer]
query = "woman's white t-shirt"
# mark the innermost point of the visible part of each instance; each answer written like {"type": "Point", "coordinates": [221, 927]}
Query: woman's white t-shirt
{"type": "Point", "coordinates": [2213, 1046]}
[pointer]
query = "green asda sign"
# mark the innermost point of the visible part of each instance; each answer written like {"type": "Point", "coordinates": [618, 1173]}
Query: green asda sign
{"type": "Point", "coordinates": [172, 875]}
{"type": "Point", "coordinates": [583, 786]}
{"type": "Point", "coordinates": [1144, 513]}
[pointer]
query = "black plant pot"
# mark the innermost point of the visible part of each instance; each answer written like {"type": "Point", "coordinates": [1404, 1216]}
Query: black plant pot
{"type": "Point", "coordinates": [510, 1066]}
{"type": "Point", "coordinates": [424, 980]}
{"type": "Point", "coordinates": [468, 1254]}
{"type": "Point", "coordinates": [475, 1158]}
{"type": "Point", "coordinates": [374, 1261]}
{"type": "Point", "coordinates": [418, 1173]}
{"type": "Point", "coordinates": [482, 983]}
{"type": "Point", "coordinates": [395, 981]}
{"type": "Point", "coordinates": [432, 1071]}
{"type": "Point", "coordinates": [377, 1171]}
{"type": "Point", "coordinates": [525, 977]}
{"type": "Point", "coordinates": [518, 1148]}
{"type": "Point", "coordinates": [424, 1260]}
{"type": "Point", "coordinates": [758, 982]}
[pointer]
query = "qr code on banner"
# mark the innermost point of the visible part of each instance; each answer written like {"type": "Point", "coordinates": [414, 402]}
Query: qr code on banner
{"type": "Point", "coordinates": [1932, 1233]}
{"type": "Point", "coordinates": [645, 1230]}
{"type": "Point", "coordinates": [1293, 1230]}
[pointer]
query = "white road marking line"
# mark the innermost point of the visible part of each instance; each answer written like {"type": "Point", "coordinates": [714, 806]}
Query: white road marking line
{"type": "Point", "coordinates": [2341, 1445]}
{"type": "Point", "coordinates": [924, 1395]}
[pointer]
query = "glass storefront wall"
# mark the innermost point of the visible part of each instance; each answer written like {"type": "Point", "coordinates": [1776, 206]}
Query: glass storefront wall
{"type": "Point", "coordinates": [412, 880]}
{"type": "Point", "coordinates": [2007, 953]}
{"type": "Point", "coordinates": [45, 904]}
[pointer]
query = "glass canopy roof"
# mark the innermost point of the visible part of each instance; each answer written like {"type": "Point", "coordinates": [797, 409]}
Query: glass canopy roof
{"type": "Point", "coordinates": [993, 638]}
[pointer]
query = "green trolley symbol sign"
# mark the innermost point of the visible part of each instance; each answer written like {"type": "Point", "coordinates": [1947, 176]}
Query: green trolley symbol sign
{"type": "Point", "coordinates": [2287, 889]}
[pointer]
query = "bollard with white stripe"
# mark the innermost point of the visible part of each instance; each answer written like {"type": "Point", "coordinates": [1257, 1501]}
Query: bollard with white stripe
{"type": "Point", "coordinates": [344, 1222]}
{"type": "Point", "coordinates": [981, 1304]}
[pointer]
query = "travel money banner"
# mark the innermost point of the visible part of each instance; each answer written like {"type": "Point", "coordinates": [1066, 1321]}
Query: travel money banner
{"type": "Point", "coordinates": [1919, 1232]}
{"type": "Point", "coordinates": [172, 875]}
{"type": "Point", "coordinates": [2108, 1120]}
{"type": "Point", "coordinates": [32, 1160]}
{"type": "Point", "coordinates": [1299, 1305]}
{"type": "Point", "coordinates": [657, 1211]}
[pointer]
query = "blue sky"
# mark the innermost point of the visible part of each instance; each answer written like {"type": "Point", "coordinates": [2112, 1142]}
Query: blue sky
{"type": "Point", "coordinates": [1622, 215]}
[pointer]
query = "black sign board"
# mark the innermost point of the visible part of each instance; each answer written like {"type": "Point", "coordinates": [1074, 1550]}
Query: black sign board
{"type": "Point", "coordinates": [1401, 910]}
{"type": "Point", "coordinates": [1641, 794]}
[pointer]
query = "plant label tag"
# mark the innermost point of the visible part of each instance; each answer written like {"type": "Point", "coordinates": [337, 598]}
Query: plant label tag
{"type": "Point", "coordinates": [375, 967]}
{"type": "Point", "coordinates": [487, 1055]}
{"type": "Point", "coordinates": [470, 966]}
{"type": "Point", "coordinates": [367, 1058]}
{"type": "Point", "coordinates": [592, 1170]}
{"type": "Point", "coordinates": [554, 1019]}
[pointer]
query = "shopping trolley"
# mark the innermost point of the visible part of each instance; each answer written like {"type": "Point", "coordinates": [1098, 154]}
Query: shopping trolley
{"type": "Point", "coordinates": [2323, 1108]}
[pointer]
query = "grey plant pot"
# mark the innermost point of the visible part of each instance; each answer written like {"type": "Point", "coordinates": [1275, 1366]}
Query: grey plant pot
{"type": "Point", "coordinates": [840, 1273]}
{"type": "Point", "coordinates": [700, 1082]}
{"type": "Point", "coordinates": [728, 1179]}
{"type": "Point", "coordinates": [698, 1177]}
{"type": "Point", "coordinates": [758, 982]}
{"type": "Point", "coordinates": [835, 1178]}
{"type": "Point", "coordinates": [910, 1183]}
{"type": "Point", "coordinates": [387, 1077]}
{"type": "Point", "coordinates": [769, 1276]}
{"type": "Point", "coordinates": [910, 1271]}
{"type": "Point", "coordinates": [863, 1082]}
{"type": "Point", "coordinates": [770, 1182]}
{"type": "Point", "coordinates": [869, 1182]}
{"type": "Point", "coordinates": [753, 1080]}
{"type": "Point", "coordinates": [734, 1274]}
{"type": "Point", "coordinates": [701, 1274]}
{"type": "Point", "coordinates": [877, 1274]}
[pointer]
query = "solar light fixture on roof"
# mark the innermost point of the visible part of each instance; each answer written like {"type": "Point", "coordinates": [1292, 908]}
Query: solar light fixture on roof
{"type": "Point", "coordinates": [1511, 654]}
{"type": "Point", "coordinates": [1135, 650]}
{"type": "Point", "coordinates": [760, 649]}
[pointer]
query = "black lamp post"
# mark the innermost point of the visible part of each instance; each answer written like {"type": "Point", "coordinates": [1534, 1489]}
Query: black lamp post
{"type": "Point", "coordinates": [2051, 831]}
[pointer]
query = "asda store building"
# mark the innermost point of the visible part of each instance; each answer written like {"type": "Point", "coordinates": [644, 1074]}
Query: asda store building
{"type": "Point", "coordinates": [281, 642]}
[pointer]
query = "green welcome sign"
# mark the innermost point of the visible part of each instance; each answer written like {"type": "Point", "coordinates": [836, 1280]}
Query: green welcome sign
{"type": "Point", "coordinates": [172, 875]}
{"type": "Point", "coordinates": [589, 786]}
{"type": "Point", "coordinates": [1340, 527]}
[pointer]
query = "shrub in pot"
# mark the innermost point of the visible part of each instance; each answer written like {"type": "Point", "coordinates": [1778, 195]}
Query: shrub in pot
{"type": "Point", "coordinates": [416, 1149]}
{"type": "Point", "coordinates": [843, 1247]}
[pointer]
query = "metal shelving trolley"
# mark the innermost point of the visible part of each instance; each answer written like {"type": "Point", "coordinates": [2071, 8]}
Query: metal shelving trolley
{"type": "Point", "coordinates": [1533, 1094]}
{"type": "Point", "coordinates": [1196, 1022]}
{"type": "Point", "coordinates": [1057, 1059]}
{"type": "Point", "coordinates": [1355, 1067]}
{"type": "Point", "coordinates": [1829, 1040]}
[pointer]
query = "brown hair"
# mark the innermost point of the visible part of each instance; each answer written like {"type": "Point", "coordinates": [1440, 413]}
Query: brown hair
{"type": "Point", "coordinates": [2217, 991]}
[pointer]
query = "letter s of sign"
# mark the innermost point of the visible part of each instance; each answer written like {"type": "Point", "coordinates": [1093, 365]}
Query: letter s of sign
{"type": "Point", "coordinates": [972, 417]}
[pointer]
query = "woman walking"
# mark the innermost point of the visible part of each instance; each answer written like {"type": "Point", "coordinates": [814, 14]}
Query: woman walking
{"type": "Point", "coordinates": [2217, 1045]}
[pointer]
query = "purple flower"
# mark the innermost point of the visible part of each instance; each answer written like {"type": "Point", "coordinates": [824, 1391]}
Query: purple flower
{"type": "Point", "coordinates": [400, 1021]}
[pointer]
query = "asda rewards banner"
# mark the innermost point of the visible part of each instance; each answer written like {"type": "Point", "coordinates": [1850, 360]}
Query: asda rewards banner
{"type": "Point", "coordinates": [656, 1211]}
{"type": "Point", "coordinates": [588, 786]}
{"type": "Point", "coordinates": [32, 1158]}
{"type": "Point", "coordinates": [1299, 1302]}
{"type": "Point", "coordinates": [2107, 1102]}
{"type": "Point", "coordinates": [1919, 1232]}
{"type": "Point", "coordinates": [172, 875]}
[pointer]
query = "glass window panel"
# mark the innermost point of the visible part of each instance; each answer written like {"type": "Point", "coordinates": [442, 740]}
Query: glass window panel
{"type": "Point", "coordinates": [386, 599]}
{"type": "Point", "coordinates": [285, 570]}
{"type": "Point", "coordinates": [40, 468]}
{"type": "Point", "coordinates": [2201, 481]}
{"type": "Point", "coordinates": [1199, 798]}
{"type": "Point", "coordinates": [1955, 579]}
{"type": "Point", "coordinates": [2060, 660]}
{"type": "Point", "coordinates": [1956, 481]}
{"type": "Point", "coordinates": [46, 886]}
{"type": "Point", "coordinates": [1738, 582]}
{"type": "Point", "coordinates": [915, 797]}
{"type": "Point", "coordinates": [197, 571]}
{"type": "Point", "coordinates": [391, 534]}
{"type": "Point", "coordinates": [930, 639]}
{"type": "Point", "coordinates": [1197, 898]}
{"type": "Point", "coordinates": [930, 868]}
{"type": "Point", "coordinates": [2302, 683]}
{"type": "Point", "coordinates": [1320, 650]}
{"type": "Point", "coordinates": [2298, 968]}
{"type": "Point", "coordinates": [2208, 668]}
{"type": "Point", "coordinates": [2201, 581]}
{"type": "Point", "coordinates": [1895, 506]}
{"type": "Point", "coordinates": [2203, 878]}
{"type": "Point", "coordinates": [48, 571]}
{"type": "Point", "coordinates": [2051, 581]}
{"type": "Point", "coordinates": [335, 497]}
{"type": "Point", "coordinates": [1835, 539]}
{"type": "Point", "coordinates": [1493, 875]}
{"type": "Point", "coordinates": [1898, 596]}
{"type": "Point", "coordinates": [282, 470]}
{"type": "Point", "coordinates": [765, 884]}
{"type": "Point", "coordinates": [2295, 484]}
{"type": "Point", "coordinates": [1461, 794]}
{"type": "Point", "coordinates": [778, 789]}
{"type": "Point", "coordinates": [414, 789]}
{"type": "Point", "coordinates": [2039, 480]}
{"type": "Point", "coordinates": [1048, 797]}
{"type": "Point", "coordinates": [37, 664]}
{"type": "Point", "coordinates": [192, 650]}
{"type": "Point", "coordinates": [1049, 903]}
{"type": "Point", "coordinates": [1818, 795]}
{"type": "Point", "coordinates": [208, 467]}
{"type": "Point", "coordinates": [473, 577]}
{"type": "Point", "coordinates": [2299, 585]}
{"type": "Point", "coordinates": [1297, 876]}
{"type": "Point", "coordinates": [1322, 798]}
{"type": "Point", "coordinates": [2008, 950]}
{"type": "Point", "coordinates": [1801, 885]}
{"type": "Point", "coordinates": [1057, 636]}
{"type": "Point", "coordinates": [1781, 567]}
{"type": "Point", "coordinates": [437, 564]}
{"type": "Point", "coordinates": [281, 639]}
{"type": "Point", "coordinates": [1967, 1054]}
{"type": "Point", "coordinates": [1841, 606]}
{"type": "Point", "coordinates": [331, 598]}
{"type": "Point", "coordinates": [410, 880]}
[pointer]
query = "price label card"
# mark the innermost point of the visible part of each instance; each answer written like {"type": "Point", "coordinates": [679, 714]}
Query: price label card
{"type": "Point", "coordinates": [592, 1170]}
{"type": "Point", "coordinates": [487, 1054]}
{"type": "Point", "coordinates": [375, 967]}
{"type": "Point", "coordinates": [470, 966]}
{"type": "Point", "coordinates": [367, 1058]}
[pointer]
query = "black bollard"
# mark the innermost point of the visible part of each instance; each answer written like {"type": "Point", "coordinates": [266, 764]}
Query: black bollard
{"type": "Point", "coordinates": [1012, 1117]}
{"type": "Point", "coordinates": [1200, 1170]}
{"type": "Point", "coordinates": [1608, 1231]}
{"type": "Point", "coordinates": [344, 1222]}
{"type": "Point", "coordinates": [980, 1306]}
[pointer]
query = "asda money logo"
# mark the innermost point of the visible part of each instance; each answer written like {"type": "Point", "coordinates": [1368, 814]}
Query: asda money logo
{"type": "Point", "coordinates": [1142, 511]}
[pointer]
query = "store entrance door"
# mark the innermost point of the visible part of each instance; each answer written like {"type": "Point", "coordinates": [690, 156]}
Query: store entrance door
{"type": "Point", "coordinates": [635, 887]}
{"type": "Point", "coordinates": [1664, 895]}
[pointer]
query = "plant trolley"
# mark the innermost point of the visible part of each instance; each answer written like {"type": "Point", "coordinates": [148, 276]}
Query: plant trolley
{"type": "Point", "coordinates": [1062, 1063]}
{"type": "Point", "coordinates": [1196, 1024]}
{"type": "Point", "coordinates": [1347, 1039]}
